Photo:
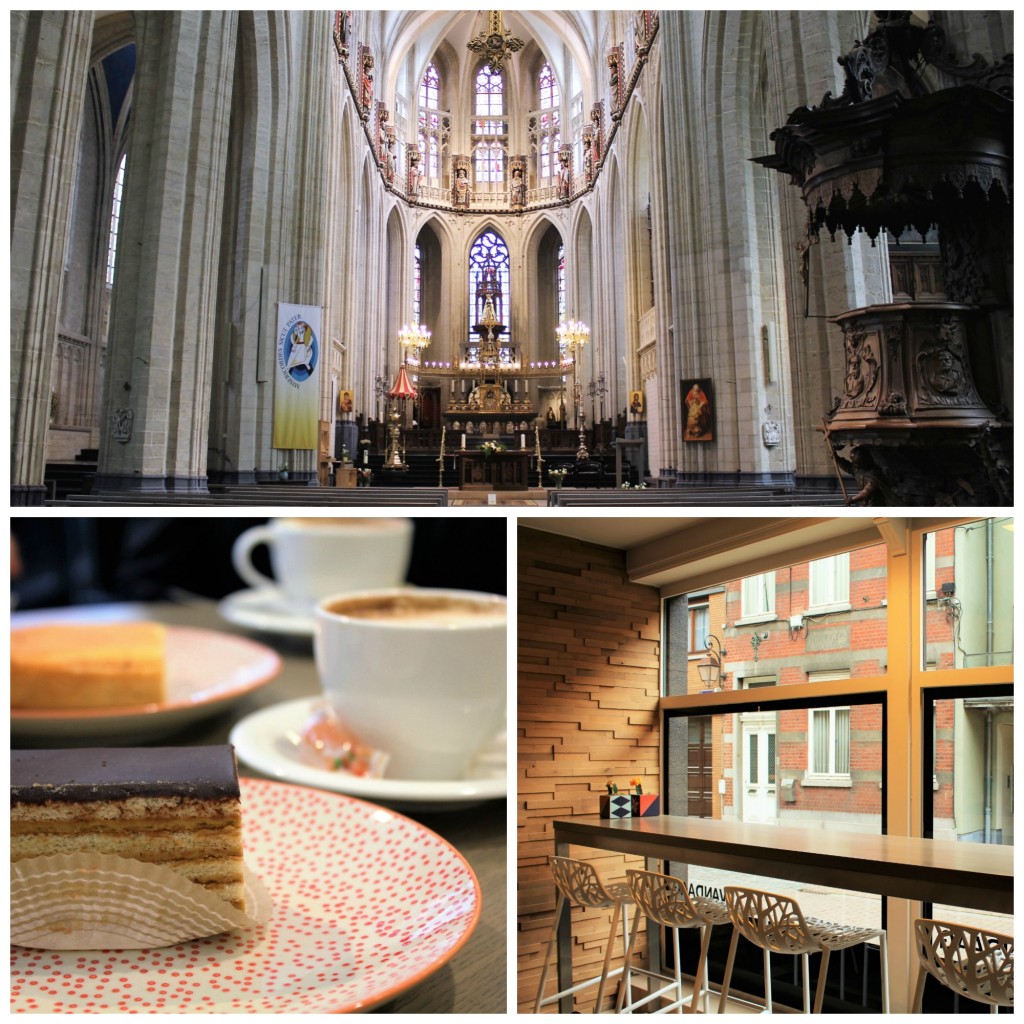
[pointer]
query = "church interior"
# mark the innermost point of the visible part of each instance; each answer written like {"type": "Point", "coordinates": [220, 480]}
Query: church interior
{"type": "Point", "coordinates": [553, 257]}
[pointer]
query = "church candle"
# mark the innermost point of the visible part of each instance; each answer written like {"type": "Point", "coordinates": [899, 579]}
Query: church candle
{"type": "Point", "coordinates": [463, 440]}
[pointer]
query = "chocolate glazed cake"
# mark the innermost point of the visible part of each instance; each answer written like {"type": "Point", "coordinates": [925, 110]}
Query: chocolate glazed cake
{"type": "Point", "coordinates": [176, 806]}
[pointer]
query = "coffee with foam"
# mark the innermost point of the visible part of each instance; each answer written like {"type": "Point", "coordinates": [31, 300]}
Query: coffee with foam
{"type": "Point", "coordinates": [415, 609]}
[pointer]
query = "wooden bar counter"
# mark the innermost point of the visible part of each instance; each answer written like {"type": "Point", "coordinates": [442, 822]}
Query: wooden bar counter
{"type": "Point", "coordinates": [970, 875]}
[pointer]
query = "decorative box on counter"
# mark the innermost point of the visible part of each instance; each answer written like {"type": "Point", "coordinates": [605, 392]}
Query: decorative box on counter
{"type": "Point", "coordinates": [645, 805]}
{"type": "Point", "coordinates": [628, 805]}
{"type": "Point", "coordinates": [617, 805]}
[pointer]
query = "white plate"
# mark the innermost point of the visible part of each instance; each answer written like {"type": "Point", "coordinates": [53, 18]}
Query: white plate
{"type": "Point", "coordinates": [206, 673]}
{"type": "Point", "coordinates": [372, 904]}
{"type": "Point", "coordinates": [265, 610]}
{"type": "Point", "coordinates": [266, 741]}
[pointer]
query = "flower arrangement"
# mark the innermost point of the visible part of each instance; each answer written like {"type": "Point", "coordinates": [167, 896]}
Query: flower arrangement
{"type": "Point", "coordinates": [558, 476]}
{"type": "Point", "coordinates": [627, 486]}
{"type": "Point", "coordinates": [490, 448]}
{"type": "Point", "coordinates": [364, 475]}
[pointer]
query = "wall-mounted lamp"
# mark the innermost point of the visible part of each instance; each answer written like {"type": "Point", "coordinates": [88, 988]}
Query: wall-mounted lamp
{"type": "Point", "coordinates": [756, 640]}
{"type": "Point", "coordinates": [710, 669]}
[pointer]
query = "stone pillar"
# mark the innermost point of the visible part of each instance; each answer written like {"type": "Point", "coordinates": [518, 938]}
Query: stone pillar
{"type": "Point", "coordinates": [49, 73]}
{"type": "Point", "coordinates": [160, 346]}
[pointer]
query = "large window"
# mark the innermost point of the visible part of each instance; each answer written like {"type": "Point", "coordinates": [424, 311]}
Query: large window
{"type": "Point", "coordinates": [854, 729]}
{"type": "Point", "coordinates": [967, 591]}
{"type": "Point", "coordinates": [488, 275]}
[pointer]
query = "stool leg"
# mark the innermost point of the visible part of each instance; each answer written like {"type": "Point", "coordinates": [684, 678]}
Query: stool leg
{"type": "Point", "coordinates": [547, 954]}
{"type": "Point", "coordinates": [915, 1006]}
{"type": "Point", "coordinates": [624, 988]}
{"type": "Point", "coordinates": [883, 962]}
{"type": "Point", "coordinates": [819, 995]}
{"type": "Point", "coordinates": [700, 976]}
{"type": "Point", "coordinates": [767, 981]}
{"type": "Point", "coordinates": [679, 970]}
{"type": "Point", "coordinates": [607, 956]}
{"type": "Point", "coordinates": [727, 977]}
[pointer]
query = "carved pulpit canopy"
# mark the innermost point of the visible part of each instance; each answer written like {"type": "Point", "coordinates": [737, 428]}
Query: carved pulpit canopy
{"type": "Point", "coordinates": [893, 152]}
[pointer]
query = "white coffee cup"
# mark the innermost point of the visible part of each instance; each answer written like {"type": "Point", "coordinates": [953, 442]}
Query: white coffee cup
{"type": "Point", "coordinates": [418, 673]}
{"type": "Point", "coordinates": [313, 557]}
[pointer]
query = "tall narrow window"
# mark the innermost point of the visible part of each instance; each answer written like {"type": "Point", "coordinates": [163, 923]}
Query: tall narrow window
{"type": "Point", "coordinates": [489, 132]}
{"type": "Point", "coordinates": [417, 285]}
{"type": "Point", "coordinates": [758, 596]}
{"type": "Point", "coordinates": [430, 124]}
{"type": "Point", "coordinates": [561, 284]}
{"type": "Point", "coordinates": [115, 222]}
{"type": "Point", "coordinates": [430, 88]}
{"type": "Point", "coordinates": [829, 583]}
{"type": "Point", "coordinates": [547, 136]}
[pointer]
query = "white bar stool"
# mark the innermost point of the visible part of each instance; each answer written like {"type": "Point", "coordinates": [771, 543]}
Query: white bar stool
{"type": "Point", "coordinates": [777, 925]}
{"type": "Point", "coordinates": [664, 900]}
{"type": "Point", "coordinates": [579, 885]}
{"type": "Point", "coordinates": [972, 962]}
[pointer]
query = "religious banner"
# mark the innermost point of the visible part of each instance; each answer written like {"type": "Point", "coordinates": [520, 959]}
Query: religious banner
{"type": "Point", "coordinates": [297, 372]}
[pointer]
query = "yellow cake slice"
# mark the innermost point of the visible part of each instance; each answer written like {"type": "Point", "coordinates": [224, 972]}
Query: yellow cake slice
{"type": "Point", "coordinates": [60, 666]}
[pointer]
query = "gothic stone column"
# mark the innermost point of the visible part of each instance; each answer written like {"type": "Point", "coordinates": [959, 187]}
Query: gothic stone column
{"type": "Point", "coordinates": [160, 349]}
{"type": "Point", "coordinates": [48, 83]}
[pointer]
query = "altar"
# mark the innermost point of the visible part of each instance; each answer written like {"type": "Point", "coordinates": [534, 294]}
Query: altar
{"type": "Point", "coordinates": [501, 471]}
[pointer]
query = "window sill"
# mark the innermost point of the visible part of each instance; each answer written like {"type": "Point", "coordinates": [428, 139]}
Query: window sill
{"type": "Point", "coordinates": [827, 609]}
{"type": "Point", "coordinates": [749, 620]}
{"type": "Point", "coordinates": [829, 781]}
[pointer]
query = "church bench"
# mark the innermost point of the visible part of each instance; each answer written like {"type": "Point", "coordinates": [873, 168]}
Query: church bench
{"type": "Point", "coordinates": [677, 496]}
{"type": "Point", "coordinates": [381, 498]}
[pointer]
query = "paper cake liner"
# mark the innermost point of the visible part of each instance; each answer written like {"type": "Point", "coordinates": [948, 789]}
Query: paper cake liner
{"type": "Point", "coordinates": [86, 901]}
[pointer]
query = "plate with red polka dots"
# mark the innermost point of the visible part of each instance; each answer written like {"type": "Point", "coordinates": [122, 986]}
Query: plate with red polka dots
{"type": "Point", "coordinates": [367, 903]}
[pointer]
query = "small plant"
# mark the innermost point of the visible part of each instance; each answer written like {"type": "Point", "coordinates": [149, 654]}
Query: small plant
{"type": "Point", "coordinates": [558, 476]}
{"type": "Point", "coordinates": [611, 787]}
{"type": "Point", "coordinates": [490, 448]}
{"type": "Point", "coordinates": [637, 784]}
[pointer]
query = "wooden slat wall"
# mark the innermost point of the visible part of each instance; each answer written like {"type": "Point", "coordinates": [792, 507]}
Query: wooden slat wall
{"type": "Point", "coordinates": [588, 695]}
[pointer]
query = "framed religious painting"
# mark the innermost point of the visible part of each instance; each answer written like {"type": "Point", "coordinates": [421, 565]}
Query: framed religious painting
{"type": "Point", "coordinates": [698, 410]}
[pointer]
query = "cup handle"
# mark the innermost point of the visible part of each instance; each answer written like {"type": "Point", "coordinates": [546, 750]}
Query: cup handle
{"type": "Point", "coordinates": [241, 554]}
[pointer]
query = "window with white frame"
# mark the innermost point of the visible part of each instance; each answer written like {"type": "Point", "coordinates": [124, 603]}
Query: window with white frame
{"type": "Point", "coordinates": [828, 739]}
{"type": "Point", "coordinates": [829, 583]}
{"type": "Point", "coordinates": [758, 597]}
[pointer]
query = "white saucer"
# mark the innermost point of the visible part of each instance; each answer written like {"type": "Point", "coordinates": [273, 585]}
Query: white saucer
{"type": "Point", "coordinates": [266, 741]}
{"type": "Point", "coordinates": [265, 609]}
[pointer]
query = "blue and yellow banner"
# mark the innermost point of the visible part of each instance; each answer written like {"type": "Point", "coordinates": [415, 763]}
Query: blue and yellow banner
{"type": "Point", "coordinates": [297, 376]}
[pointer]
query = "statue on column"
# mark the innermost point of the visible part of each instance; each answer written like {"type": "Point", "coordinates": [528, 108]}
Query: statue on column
{"type": "Point", "coordinates": [366, 90]}
{"type": "Point", "coordinates": [460, 183]}
{"type": "Point", "coordinates": [517, 183]}
{"type": "Point", "coordinates": [588, 154]}
{"type": "Point", "coordinates": [564, 171]}
{"type": "Point", "coordinates": [342, 31]}
{"type": "Point", "coordinates": [615, 80]}
{"type": "Point", "coordinates": [413, 181]}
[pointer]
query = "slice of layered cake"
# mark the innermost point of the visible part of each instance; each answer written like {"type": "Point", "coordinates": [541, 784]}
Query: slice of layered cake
{"type": "Point", "coordinates": [68, 665]}
{"type": "Point", "coordinates": [175, 806]}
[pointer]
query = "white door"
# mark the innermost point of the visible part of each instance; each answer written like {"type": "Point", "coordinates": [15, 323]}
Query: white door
{"type": "Point", "coordinates": [760, 798]}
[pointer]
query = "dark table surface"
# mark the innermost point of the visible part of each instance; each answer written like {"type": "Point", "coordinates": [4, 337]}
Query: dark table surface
{"type": "Point", "coordinates": [474, 980]}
